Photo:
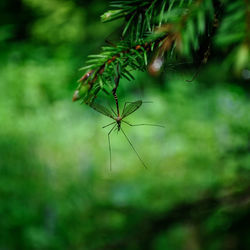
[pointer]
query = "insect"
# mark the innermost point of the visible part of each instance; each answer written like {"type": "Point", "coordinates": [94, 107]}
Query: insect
{"type": "Point", "coordinates": [128, 109]}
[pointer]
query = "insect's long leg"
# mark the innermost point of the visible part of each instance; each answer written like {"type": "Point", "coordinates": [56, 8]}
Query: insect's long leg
{"type": "Point", "coordinates": [134, 149]}
{"type": "Point", "coordinates": [110, 166]}
{"type": "Point", "coordinates": [195, 75]}
{"type": "Point", "coordinates": [108, 124]}
{"type": "Point", "coordinates": [204, 61]}
{"type": "Point", "coordinates": [116, 129]}
{"type": "Point", "coordinates": [132, 125]}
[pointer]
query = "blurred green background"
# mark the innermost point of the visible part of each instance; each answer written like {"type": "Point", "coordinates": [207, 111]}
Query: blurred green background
{"type": "Point", "coordinates": [56, 190]}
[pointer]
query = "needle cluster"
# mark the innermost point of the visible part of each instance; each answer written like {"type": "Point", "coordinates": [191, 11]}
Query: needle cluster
{"type": "Point", "coordinates": [151, 30]}
{"type": "Point", "coordinates": [157, 30]}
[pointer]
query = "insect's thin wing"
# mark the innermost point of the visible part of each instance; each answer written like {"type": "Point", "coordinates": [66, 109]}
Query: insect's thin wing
{"type": "Point", "coordinates": [112, 110]}
{"type": "Point", "coordinates": [101, 109]}
{"type": "Point", "coordinates": [131, 108]}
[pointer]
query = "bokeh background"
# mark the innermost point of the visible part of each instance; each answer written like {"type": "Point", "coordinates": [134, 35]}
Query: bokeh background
{"type": "Point", "coordinates": [56, 190]}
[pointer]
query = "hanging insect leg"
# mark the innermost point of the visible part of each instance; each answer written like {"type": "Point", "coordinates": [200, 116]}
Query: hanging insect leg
{"type": "Point", "coordinates": [108, 124]}
{"type": "Point", "coordinates": [110, 166]}
{"type": "Point", "coordinates": [143, 124]}
{"type": "Point", "coordinates": [134, 149]}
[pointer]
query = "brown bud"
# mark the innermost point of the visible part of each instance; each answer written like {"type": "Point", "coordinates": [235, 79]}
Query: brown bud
{"type": "Point", "coordinates": [75, 96]}
{"type": "Point", "coordinates": [80, 92]}
{"type": "Point", "coordinates": [155, 66]}
{"type": "Point", "coordinates": [137, 47]}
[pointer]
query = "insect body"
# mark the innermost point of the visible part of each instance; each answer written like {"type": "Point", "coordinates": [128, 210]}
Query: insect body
{"type": "Point", "coordinates": [129, 108]}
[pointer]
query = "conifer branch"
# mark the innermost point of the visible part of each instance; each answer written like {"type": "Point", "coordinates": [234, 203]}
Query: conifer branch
{"type": "Point", "coordinates": [152, 29]}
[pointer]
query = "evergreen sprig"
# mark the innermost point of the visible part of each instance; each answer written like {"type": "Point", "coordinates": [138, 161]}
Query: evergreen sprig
{"type": "Point", "coordinates": [234, 35]}
{"type": "Point", "coordinates": [162, 28]}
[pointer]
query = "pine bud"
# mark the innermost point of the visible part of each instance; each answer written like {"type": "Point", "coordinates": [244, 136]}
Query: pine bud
{"type": "Point", "coordinates": [155, 66]}
{"type": "Point", "coordinates": [80, 92]}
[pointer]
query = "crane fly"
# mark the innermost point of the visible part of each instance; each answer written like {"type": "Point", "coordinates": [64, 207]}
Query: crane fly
{"type": "Point", "coordinates": [128, 109]}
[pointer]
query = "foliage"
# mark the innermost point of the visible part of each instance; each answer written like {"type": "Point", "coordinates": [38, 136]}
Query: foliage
{"type": "Point", "coordinates": [164, 28]}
